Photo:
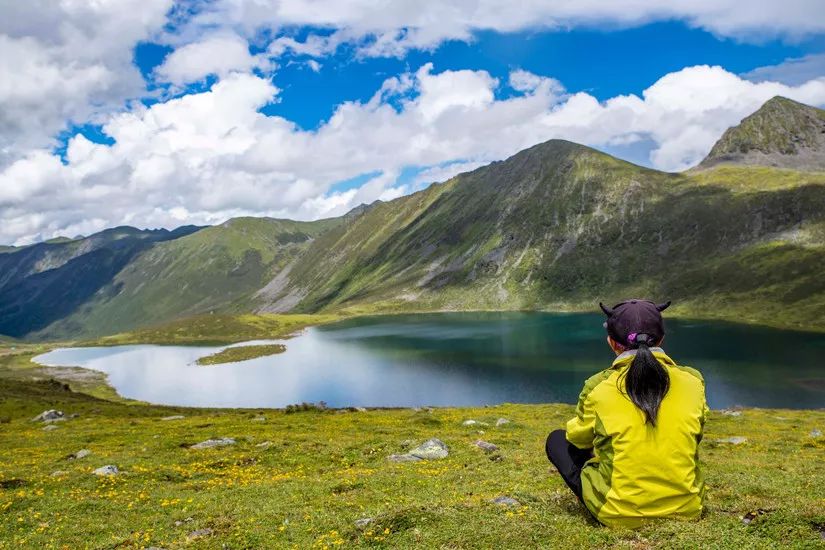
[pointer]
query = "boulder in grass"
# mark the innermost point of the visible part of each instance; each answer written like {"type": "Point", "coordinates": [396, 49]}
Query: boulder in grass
{"type": "Point", "coordinates": [82, 453]}
{"type": "Point", "coordinates": [486, 446]}
{"type": "Point", "coordinates": [363, 522]}
{"type": "Point", "coordinates": [473, 423]}
{"type": "Point", "coordinates": [734, 440]}
{"type": "Point", "coordinates": [502, 422]}
{"type": "Point", "coordinates": [173, 417]}
{"type": "Point", "coordinates": [815, 433]}
{"type": "Point", "coordinates": [506, 501]}
{"type": "Point", "coordinates": [51, 415]}
{"type": "Point", "coordinates": [108, 470]}
{"type": "Point", "coordinates": [210, 443]}
{"type": "Point", "coordinates": [431, 449]}
{"type": "Point", "coordinates": [198, 533]}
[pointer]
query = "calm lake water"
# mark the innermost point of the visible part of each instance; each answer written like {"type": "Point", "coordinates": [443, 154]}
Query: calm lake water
{"type": "Point", "coordinates": [460, 359]}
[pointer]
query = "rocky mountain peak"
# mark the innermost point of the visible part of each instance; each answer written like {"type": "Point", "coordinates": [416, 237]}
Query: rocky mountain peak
{"type": "Point", "coordinates": [782, 133]}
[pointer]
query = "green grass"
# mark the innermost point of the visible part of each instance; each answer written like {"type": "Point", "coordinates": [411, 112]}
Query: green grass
{"type": "Point", "coordinates": [217, 329]}
{"type": "Point", "coordinates": [240, 353]}
{"type": "Point", "coordinates": [326, 469]}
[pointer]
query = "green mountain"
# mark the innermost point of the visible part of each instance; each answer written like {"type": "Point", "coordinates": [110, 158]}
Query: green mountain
{"type": "Point", "coordinates": [783, 133]}
{"type": "Point", "coordinates": [557, 226]}
{"type": "Point", "coordinates": [213, 269]}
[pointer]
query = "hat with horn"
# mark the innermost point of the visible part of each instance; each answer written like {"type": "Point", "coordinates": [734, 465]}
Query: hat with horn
{"type": "Point", "coordinates": [634, 322]}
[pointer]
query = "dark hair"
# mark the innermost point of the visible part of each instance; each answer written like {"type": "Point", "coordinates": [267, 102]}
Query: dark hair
{"type": "Point", "coordinates": [646, 381]}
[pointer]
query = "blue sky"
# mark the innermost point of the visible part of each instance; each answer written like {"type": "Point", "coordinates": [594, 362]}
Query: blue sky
{"type": "Point", "coordinates": [159, 113]}
{"type": "Point", "coordinates": [603, 62]}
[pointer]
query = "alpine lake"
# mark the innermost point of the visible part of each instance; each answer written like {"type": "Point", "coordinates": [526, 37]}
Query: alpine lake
{"type": "Point", "coordinates": [459, 359]}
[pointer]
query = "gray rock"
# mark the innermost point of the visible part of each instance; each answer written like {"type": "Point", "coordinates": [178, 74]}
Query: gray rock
{"type": "Point", "coordinates": [815, 433]}
{"type": "Point", "coordinates": [473, 423]}
{"type": "Point", "coordinates": [502, 422]}
{"type": "Point", "coordinates": [360, 409]}
{"type": "Point", "coordinates": [485, 446]}
{"type": "Point", "coordinates": [200, 533]}
{"type": "Point", "coordinates": [49, 428]}
{"type": "Point", "coordinates": [259, 419]}
{"type": "Point", "coordinates": [363, 522]}
{"type": "Point", "coordinates": [173, 417]}
{"type": "Point", "coordinates": [209, 443]}
{"type": "Point", "coordinates": [506, 501]}
{"type": "Point", "coordinates": [264, 445]}
{"type": "Point", "coordinates": [180, 522]}
{"type": "Point", "coordinates": [403, 458]}
{"type": "Point", "coordinates": [431, 449]}
{"type": "Point", "coordinates": [108, 470]}
{"type": "Point", "coordinates": [49, 416]}
{"type": "Point", "coordinates": [59, 473]}
{"type": "Point", "coordinates": [728, 412]}
{"type": "Point", "coordinates": [735, 440]}
{"type": "Point", "coordinates": [82, 453]}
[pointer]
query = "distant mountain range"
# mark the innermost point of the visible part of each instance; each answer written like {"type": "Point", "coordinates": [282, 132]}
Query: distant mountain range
{"type": "Point", "coordinates": [557, 226]}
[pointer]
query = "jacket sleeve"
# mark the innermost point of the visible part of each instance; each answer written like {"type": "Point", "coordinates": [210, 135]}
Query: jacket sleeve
{"type": "Point", "coordinates": [581, 428]}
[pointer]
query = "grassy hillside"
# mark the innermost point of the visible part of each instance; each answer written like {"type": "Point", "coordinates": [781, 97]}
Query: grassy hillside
{"type": "Point", "coordinates": [46, 282]}
{"type": "Point", "coordinates": [303, 480]}
{"type": "Point", "coordinates": [215, 269]}
{"type": "Point", "coordinates": [561, 226]}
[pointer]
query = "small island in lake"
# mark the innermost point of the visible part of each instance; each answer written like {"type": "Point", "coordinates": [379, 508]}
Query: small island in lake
{"type": "Point", "coordinates": [240, 353]}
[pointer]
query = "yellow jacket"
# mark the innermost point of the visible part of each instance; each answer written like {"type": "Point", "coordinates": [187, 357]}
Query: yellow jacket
{"type": "Point", "coordinates": [640, 471]}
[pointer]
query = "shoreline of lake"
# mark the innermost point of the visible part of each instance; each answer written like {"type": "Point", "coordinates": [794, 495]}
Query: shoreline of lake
{"type": "Point", "coordinates": [475, 377]}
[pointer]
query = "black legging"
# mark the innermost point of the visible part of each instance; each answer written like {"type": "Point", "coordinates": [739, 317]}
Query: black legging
{"type": "Point", "coordinates": [568, 459]}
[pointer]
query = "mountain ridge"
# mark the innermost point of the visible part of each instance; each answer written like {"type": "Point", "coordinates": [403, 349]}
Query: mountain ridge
{"type": "Point", "coordinates": [558, 225]}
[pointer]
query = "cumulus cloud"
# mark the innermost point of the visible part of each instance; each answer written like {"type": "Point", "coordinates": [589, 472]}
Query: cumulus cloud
{"type": "Point", "coordinates": [67, 61]}
{"type": "Point", "coordinates": [218, 55]}
{"type": "Point", "coordinates": [792, 71]}
{"type": "Point", "coordinates": [204, 157]}
{"type": "Point", "coordinates": [391, 28]}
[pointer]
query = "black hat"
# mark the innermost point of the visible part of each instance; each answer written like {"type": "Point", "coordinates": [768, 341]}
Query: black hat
{"type": "Point", "coordinates": [635, 322]}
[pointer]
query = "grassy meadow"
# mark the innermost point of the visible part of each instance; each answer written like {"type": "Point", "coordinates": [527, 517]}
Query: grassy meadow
{"type": "Point", "coordinates": [306, 477]}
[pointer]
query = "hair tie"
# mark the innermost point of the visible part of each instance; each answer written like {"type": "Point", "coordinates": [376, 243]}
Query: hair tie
{"type": "Point", "coordinates": [631, 337]}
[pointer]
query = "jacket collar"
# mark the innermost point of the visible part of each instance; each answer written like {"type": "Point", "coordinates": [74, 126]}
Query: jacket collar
{"type": "Point", "coordinates": [626, 356]}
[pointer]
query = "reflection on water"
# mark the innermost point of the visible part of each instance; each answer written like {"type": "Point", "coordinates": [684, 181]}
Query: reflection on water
{"type": "Point", "coordinates": [460, 359]}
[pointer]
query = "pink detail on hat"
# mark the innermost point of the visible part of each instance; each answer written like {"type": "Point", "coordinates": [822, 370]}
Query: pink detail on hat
{"type": "Point", "coordinates": [631, 337]}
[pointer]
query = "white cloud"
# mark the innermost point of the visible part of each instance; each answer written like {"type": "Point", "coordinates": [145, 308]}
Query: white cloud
{"type": "Point", "coordinates": [792, 71]}
{"type": "Point", "coordinates": [204, 157]}
{"type": "Point", "coordinates": [438, 174]}
{"type": "Point", "coordinates": [219, 55]}
{"type": "Point", "coordinates": [67, 61]}
{"type": "Point", "coordinates": [382, 28]}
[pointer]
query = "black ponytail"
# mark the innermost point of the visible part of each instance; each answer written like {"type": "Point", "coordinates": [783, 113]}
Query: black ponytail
{"type": "Point", "coordinates": [646, 381]}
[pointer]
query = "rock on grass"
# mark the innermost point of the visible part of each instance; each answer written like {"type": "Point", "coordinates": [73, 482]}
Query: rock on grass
{"type": "Point", "coordinates": [734, 440]}
{"type": "Point", "coordinates": [431, 449]}
{"type": "Point", "coordinates": [209, 443]}
{"type": "Point", "coordinates": [506, 501]}
{"type": "Point", "coordinates": [486, 446]}
{"type": "Point", "coordinates": [363, 522]}
{"type": "Point", "coordinates": [108, 470]}
{"type": "Point", "coordinates": [82, 453]}
{"type": "Point", "coordinates": [49, 416]}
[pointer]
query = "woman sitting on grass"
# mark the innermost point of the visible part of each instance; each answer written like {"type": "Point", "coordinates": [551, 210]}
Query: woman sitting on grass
{"type": "Point", "coordinates": [631, 452]}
